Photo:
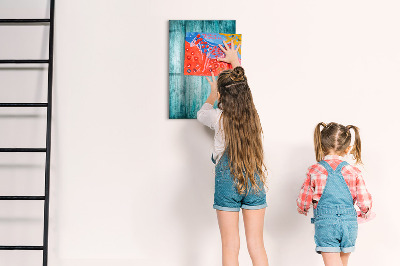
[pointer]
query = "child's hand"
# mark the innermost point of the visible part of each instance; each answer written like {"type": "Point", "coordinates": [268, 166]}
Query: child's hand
{"type": "Point", "coordinates": [362, 218]}
{"type": "Point", "coordinates": [231, 54]}
{"type": "Point", "coordinates": [214, 89]}
{"type": "Point", "coordinates": [301, 211]}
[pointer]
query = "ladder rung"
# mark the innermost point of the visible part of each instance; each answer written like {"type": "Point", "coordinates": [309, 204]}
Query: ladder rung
{"type": "Point", "coordinates": [22, 149]}
{"type": "Point", "coordinates": [23, 61]}
{"type": "Point", "coordinates": [34, 20]}
{"type": "Point", "coordinates": [21, 247]}
{"type": "Point", "coordinates": [22, 197]}
{"type": "Point", "coordinates": [23, 104]}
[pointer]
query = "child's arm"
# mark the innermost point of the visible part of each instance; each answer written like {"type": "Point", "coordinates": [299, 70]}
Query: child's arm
{"type": "Point", "coordinates": [214, 89]}
{"type": "Point", "coordinates": [207, 115]}
{"type": "Point", "coordinates": [305, 197]}
{"type": "Point", "coordinates": [364, 199]}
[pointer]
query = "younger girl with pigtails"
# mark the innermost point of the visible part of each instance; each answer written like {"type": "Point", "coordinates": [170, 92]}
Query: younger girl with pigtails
{"type": "Point", "coordinates": [333, 186]}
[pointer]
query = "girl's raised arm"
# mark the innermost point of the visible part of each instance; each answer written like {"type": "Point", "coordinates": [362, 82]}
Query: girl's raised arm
{"type": "Point", "coordinates": [207, 115]}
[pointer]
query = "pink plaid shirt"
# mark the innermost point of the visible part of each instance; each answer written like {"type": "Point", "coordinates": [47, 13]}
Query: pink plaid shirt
{"type": "Point", "coordinates": [314, 185]}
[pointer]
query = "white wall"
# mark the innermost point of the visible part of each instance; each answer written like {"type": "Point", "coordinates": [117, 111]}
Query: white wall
{"type": "Point", "coordinates": [131, 187]}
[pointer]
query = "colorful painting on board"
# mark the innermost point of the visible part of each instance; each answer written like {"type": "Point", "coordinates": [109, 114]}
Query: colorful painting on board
{"type": "Point", "coordinates": [187, 93]}
{"type": "Point", "coordinates": [202, 51]}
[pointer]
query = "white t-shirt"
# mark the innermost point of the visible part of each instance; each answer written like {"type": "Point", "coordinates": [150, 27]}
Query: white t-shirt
{"type": "Point", "coordinates": [209, 116]}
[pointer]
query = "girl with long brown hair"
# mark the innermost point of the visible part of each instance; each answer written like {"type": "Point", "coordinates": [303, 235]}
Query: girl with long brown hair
{"type": "Point", "coordinates": [333, 186]}
{"type": "Point", "coordinates": [240, 172]}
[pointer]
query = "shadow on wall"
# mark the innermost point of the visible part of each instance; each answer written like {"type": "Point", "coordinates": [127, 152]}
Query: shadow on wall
{"type": "Point", "coordinates": [193, 204]}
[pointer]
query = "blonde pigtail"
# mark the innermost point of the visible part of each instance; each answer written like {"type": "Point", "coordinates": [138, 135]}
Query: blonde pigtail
{"type": "Point", "coordinates": [319, 153]}
{"type": "Point", "coordinates": [356, 151]}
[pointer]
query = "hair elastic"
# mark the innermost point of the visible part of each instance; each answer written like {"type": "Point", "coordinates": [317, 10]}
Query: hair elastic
{"type": "Point", "coordinates": [243, 82]}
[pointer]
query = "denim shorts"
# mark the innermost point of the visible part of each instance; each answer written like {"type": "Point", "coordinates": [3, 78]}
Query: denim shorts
{"type": "Point", "coordinates": [226, 195]}
{"type": "Point", "coordinates": [335, 232]}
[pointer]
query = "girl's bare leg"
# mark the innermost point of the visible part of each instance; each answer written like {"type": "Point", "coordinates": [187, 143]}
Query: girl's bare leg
{"type": "Point", "coordinates": [229, 228]}
{"type": "Point", "coordinates": [345, 258]}
{"type": "Point", "coordinates": [254, 225]}
{"type": "Point", "coordinates": [332, 259]}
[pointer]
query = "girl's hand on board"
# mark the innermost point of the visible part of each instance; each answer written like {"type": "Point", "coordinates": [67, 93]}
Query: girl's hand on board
{"type": "Point", "coordinates": [231, 54]}
{"type": "Point", "coordinates": [214, 90]}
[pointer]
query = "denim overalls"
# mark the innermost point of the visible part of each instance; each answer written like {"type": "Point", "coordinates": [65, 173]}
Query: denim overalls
{"type": "Point", "coordinates": [335, 217]}
{"type": "Point", "coordinates": [226, 195]}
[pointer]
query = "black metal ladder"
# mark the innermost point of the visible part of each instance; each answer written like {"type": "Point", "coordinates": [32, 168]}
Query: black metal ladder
{"type": "Point", "coordinates": [47, 105]}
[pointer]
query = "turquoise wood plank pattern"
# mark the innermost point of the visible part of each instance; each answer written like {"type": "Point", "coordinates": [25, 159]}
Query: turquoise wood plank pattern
{"type": "Point", "coordinates": [188, 93]}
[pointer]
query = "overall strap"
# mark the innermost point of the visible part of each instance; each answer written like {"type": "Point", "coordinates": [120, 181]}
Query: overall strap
{"type": "Point", "coordinates": [340, 166]}
{"type": "Point", "coordinates": [326, 166]}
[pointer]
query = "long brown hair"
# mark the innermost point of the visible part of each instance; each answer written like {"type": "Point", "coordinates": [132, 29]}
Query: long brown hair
{"type": "Point", "coordinates": [336, 137]}
{"type": "Point", "coordinates": [242, 129]}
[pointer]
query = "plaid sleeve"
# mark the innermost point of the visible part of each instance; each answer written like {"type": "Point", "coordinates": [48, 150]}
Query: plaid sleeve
{"type": "Point", "coordinates": [364, 199]}
{"type": "Point", "coordinates": [305, 196]}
